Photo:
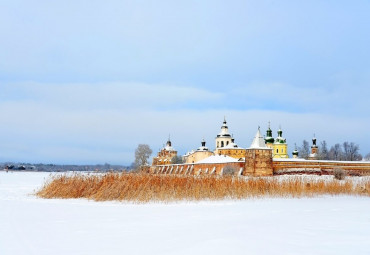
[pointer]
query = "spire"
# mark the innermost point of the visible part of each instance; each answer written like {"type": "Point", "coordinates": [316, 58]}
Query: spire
{"type": "Point", "coordinates": [258, 141]}
{"type": "Point", "coordinates": [169, 141]}
{"type": "Point", "coordinates": [280, 132]}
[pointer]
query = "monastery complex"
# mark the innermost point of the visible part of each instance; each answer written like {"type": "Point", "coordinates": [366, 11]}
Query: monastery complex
{"type": "Point", "coordinates": [266, 156]}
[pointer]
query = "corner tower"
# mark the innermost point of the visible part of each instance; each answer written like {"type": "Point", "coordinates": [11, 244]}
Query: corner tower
{"type": "Point", "coordinates": [258, 158]}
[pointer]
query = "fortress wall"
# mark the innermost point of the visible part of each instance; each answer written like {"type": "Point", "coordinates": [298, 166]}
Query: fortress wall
{"type": "Point", "coordinates": [258, 162]}
{"type": "Point", "coordinates": [320, 166]}
{"type": "Point", "coordinates": [196, 169]}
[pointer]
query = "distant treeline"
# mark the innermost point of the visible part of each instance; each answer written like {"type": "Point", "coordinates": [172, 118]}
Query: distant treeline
{"type": "Point", "coordinates": [347, 151]}
{"type": "Point", "coordinates": [62, 168]}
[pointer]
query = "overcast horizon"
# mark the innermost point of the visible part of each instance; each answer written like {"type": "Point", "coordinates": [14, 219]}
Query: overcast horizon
{"type": "Point", "coordinates": [85, 82]}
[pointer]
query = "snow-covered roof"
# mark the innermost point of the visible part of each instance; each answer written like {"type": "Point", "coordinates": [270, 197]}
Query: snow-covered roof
{"type": "Point", "coordinates": [320, 161]}
{"type": "Point", "coordinates": [258, 141]}
{"type": "Point", "coordinates": [231, 146]}
{"type": "Point", "coordinates": [217, 159]}
{"type": "Point", "coordinates": [169, 148]}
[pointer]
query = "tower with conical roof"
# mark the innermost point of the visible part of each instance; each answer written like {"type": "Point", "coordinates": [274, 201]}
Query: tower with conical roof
{"type": "Point", "coordinates": [258, 158]}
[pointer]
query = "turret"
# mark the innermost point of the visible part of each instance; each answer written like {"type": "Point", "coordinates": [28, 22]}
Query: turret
{"type": "Point", "coordinates": [203, 143]}
{"type": "Point", "coordinates": [269, 139]}
{"type": "Point", "coordinates": [314, 149]}
{"type": "Point", "coordinates": [203, 147]}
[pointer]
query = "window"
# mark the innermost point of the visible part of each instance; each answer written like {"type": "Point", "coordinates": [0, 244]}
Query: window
{"type": "Point", "coordinates": [277, 150]}
{"type": "Point", "coordinates": [222, 143]}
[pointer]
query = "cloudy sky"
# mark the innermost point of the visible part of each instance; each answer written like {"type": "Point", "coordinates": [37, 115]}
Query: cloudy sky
{"type": "Point", "coordinates": [87, 81]}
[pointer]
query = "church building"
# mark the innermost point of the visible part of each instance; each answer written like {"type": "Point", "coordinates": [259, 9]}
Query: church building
{"type": "Point", "coordinates": [278, 145]}
{"type": "Point", "coordinates": [165, 155]}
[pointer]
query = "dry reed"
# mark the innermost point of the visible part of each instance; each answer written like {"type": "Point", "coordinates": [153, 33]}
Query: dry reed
{"type": "Point", "coordinates": [146, 188]}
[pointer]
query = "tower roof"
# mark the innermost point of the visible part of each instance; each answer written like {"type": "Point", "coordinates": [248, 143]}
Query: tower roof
{"type": "Point", "coordinates": [203, 147]}
{"type": "Point", "coordinates": [224, 130]}
{"type": "Point", "coordinates": [169, 145]}
{"type": "Point", "coordinates": [258, 141]}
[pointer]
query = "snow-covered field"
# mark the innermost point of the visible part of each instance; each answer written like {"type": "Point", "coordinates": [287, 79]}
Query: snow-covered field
{"type": "Point", "coordinates": [326, 225]}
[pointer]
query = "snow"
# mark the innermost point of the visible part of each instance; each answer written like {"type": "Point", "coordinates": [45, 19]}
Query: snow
{"type": "Point", "coordinates": [258, 141]}
{"type": "Point", "coordinates": [217, 159]}
{"type": "Point", "coordinates": [30, 225]}
{"type": "Point", "coordinates": [231, 146]}
{"type": "Point", "coordinates": [320, 161]}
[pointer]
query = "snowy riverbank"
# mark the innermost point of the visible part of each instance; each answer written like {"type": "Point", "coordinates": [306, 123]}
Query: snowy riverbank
{"type": "Point", "coordinates": [29, 225]}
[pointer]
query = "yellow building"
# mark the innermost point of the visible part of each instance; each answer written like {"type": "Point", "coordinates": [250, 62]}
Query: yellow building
{"type": "Point", "coordinates": [201, 153]}
{"type": "Point", "coordinates": [232, 150]}
{"type": "Point", "coordinates": [279, 146]}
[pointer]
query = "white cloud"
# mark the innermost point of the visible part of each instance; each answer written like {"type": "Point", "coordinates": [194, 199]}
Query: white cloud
{"type": "Point", "coordinates": [94, 124]}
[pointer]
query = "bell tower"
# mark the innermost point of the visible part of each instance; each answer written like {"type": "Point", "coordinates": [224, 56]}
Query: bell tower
{"type": "Point", "coordinates": [223, 138]}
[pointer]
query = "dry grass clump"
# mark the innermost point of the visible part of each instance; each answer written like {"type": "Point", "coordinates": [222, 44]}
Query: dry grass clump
{"type": "Point", "coordinates": [145, 188]}
{"type": "Point", "coordinates": [339, 173]}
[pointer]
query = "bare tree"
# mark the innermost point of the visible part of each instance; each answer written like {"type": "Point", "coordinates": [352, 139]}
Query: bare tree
{"type": "Point", "coordinates": [335, 152]}
{"type": "Point", "coordinates": [323, 151]}
{"type": "Point", "coordinates": [177, 160]}
{"type": "Point", "coordinates": [351, 151]}
{"type": "Point", "coordinates": [142, 154]}
{"type": "Point", "coordinates": [304, 150]}
{"type": "Point", "coordinates": [367, 157]}
{"type": "Point", "coordinates": [229, 170]}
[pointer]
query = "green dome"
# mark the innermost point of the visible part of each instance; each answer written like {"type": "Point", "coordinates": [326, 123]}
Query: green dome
{"type": "Point", "coordinates": [269, 140]}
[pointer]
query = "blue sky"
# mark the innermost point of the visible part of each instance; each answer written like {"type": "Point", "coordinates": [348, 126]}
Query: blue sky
{"type": "Point", "coordinates": [86, 81]}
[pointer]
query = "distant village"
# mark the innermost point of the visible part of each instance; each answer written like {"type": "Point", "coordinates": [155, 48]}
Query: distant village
{"type": "Point", "coordinates": [10, 166]}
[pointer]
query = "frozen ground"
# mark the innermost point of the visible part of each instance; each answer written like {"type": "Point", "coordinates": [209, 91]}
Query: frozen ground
{"type": "Point", "coordinates": [29, 225]}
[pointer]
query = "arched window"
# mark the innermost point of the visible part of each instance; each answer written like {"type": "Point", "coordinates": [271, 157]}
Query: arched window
{"type": "Point", "coordinates": [277, 150]}
{"type": "Point", "coordinates": [218, 144]}
{"type": "Point", "coordinates": [227, 143]}
{"type": "Point", "coordinates": [222, 144]}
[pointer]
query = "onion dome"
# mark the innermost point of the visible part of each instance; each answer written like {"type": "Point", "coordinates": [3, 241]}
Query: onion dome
{"type": "Point", "coordinates": [280, 138]}
{"type": "Point", "coordinates": [269, 138]}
